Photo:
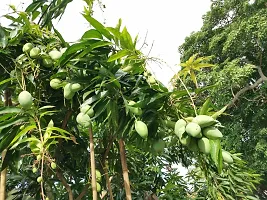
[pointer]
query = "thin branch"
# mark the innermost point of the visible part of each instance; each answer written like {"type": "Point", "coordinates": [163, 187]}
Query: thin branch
{"type": "Point", "coordinates": [64, 182]}
{"type": "Point", "coordinates": [92, 158]}
{"type": "Point", "coordinates": [125, 170]}
{"type": "Point", "coordinates": [83, 193]}
{"type": "Point", "coordinates": [105, 168]}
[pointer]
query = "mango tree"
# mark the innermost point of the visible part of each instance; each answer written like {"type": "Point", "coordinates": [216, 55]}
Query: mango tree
{"type": "Point", "coordinates": [84, 120]}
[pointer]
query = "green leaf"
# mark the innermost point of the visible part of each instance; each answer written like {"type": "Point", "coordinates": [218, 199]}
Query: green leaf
{"type": "Point", "coordinates": [126, 39]}
{"type": "Point", "coordinates": [3, 38]}
{"type": "Point", "coordinates": [92, 34]}
{"type": "Point", "coordinates": [12, 121]}
{"type": "Point", "coordinates": [118, 55]}
{"type": "Point", "coordinates": [5, 110]}
{"type": "Point", "coordinates": [204, 109]}
{"type": "Point", "coordinates": [216, 153]}
{"type": "Point", "coordinates": [218, 113]}
{"type": "Point", "coordinates": [21, 134]}
{"type": "Point", "coordinates": [8, 137]}
{"type": "Point", "coordinates": [98, 26]}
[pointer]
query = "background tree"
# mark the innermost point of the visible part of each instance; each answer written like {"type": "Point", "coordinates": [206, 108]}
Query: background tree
{"type": "Point", "coordinates": [234, 34]}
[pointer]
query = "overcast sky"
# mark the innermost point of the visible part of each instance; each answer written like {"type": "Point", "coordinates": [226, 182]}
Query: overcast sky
{"type": "Point", "coordinates": [166, 23]}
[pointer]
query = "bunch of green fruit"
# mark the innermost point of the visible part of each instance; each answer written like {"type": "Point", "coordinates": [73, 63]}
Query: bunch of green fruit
{"type": "Point", "coordinates": [197, 132]}
{"type": "Point", "coordinates": [70, 89]}
{"type": "Point", "coordinates": [84, 117]}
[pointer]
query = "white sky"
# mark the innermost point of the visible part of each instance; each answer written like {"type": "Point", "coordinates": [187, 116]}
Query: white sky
{"type": "Point", "coordinates": [166, 23]}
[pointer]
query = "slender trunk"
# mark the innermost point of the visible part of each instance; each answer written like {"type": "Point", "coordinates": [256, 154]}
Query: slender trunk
{"type": "Point", "coordinates": [8, 102]}
{"type": "Point", "coordinates": [105, 168]}
{"type": "Point", "coordinates": [92, 157]}
{"type": "Point", "coordinates": [108, 181]}
{"type": "Point", "coordinates": [125, 170]}
{"type": "Point", "coordinates": [3, 179]}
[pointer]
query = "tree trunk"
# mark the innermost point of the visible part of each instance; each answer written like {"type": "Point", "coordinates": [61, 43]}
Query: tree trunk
{"type": "Point", "coordinates": [3, 179]}
{"type": "Point", "coordinates": [92, 157]}
{"type": "Point", "coordinates": [8, 102]}
{"type": "Point", "coordinates": [125, 170]}
{"type": "Point", "coordinates": [108, 181]}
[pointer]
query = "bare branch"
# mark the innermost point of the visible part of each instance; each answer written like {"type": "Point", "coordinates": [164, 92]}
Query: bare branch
{"type": "Point", "coordinates": [64, 182]}
{"type": "Point", "coordinates": [84, 191]}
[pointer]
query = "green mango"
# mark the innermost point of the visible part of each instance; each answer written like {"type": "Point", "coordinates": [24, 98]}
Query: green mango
{"type": "Point", "coordinates": [27, 47]}
{"type": "Point", "coordinates": [204, 145]}
{"type": "Point", "coordinates": [98, 175]}
{"type": "Point", "coordinates": [68, 93]}
{"type": "Point", "coordinates": [159, 146]}
{"type": "Point", "coordinates": [193, 129]}
{"type": "Point", "coordinates": [227, 157]}
{"type": "Point", "coordinates": [179, 128]}
{"type": "Point", "coordinates": [83, 119]}
{"type": "Point", "coordinates": [204, 120]}
{"type": "Point", "coordinates": [212, 133]}
{"type": "Point", "coordinates": [25, 99]}
{"type": "Point", "coordinates": [55, 83]}
{"type": "Point", "coordinates": [185, 140]}
{"type": "Point", "coordinates": [193, 145]}
{"type": "Point", "coordinates": [134, 110]}
{"type": "Point", "coordinates": [75, 87]}
{"type": "Point", "coordinates": [34, 52]}
{"type": "Point", "coordinates": [141, 129]}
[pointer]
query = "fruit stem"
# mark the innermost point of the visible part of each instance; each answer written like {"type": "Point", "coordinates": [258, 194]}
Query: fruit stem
{"type": "Point", "coordinates": [125, 170]}
{"type": "Point", "coordinates": [193, 104]}
{"type": "Point", "coordinates": [92, 158]}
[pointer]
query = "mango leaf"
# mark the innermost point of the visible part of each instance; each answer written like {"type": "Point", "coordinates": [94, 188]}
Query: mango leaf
{"type": "Point", "coordinates": [3, 38]}
{"type": "Point", "coordinates": [126, 39]}
{"type": "Point", "coordinates": [5, 110]}
{"type": "Point", "coordinates": [92, 34]}
{"type": "Point", "coordinates": [118, 55]}
{"type": "Point", "coordinates": [218, 113]}
{"type": "Point", "coordinates": [22, 133]}
{"type": "Point", "coordinates": [8, 137]}
{"type": "Point", "coordinates": [204, 109]}
{"type": "Point", "coordinates": [98, 26]}
{"type": "Point", "coordinates": [12, 121]}
{"type": "Point", "coordinates": [216, 153]}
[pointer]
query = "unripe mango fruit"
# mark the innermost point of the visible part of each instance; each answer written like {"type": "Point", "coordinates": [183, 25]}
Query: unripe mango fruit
{"type": "Point", "coordinates": [193, 129]}
{"type": "Point", "coordinates": [98, 187]}
{"type": "Point", "coordinates": [75, 87]}
{"type": "Point", "coordinates": [185, 140]}
{"type": "Point", "coordinates": [83, 119]}
{"type": "Point", "coordinates": [98, 175]}
{"type": "Point", "coordinates": [204, 145]}
{"type": "Point", "coordinates": [193, 145]}
{"type": "Point", "coordinates": [87, 109]}
{"type": "Point", "coordinates": [227, 157]}
{"type": "Point", "coordinates": [68, 93]}
{"type": "Point", "coordinates": [55, 83]}
{"type": "Point", "coordinates": [34, 52]}
{"type": "Point", "coordinates": [25, 99]}
{"type": "Point", "coordinates": [159, 146]}
{"type": "Point", "coordinates": [134, 110]}
{"type": "Point", "coordinates": [141, 129]}
{"type": "Point", "coordinates": [53, 165]}
{"type": "Point", "coordinates": [179, 127]}
{"type": "Point", "coordinates": [27, 47]}
{"type": "Point", "coordinates": [39, 179]}
{"type": "Point", "coordinates": [212, 133]}
{"type": "Point", "coordinates": [204, 120]}
{"type": "Point", "coordinates": [34, 170]}
{"type": "Point", "coordinates": [47, 62]}
{"type": "Point", "coordinates": [55, 54]}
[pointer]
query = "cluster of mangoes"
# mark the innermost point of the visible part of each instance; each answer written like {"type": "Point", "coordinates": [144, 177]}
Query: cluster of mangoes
{"type": "Point", "coordinates": [84, 117]}
{"type": "Point", "coordinates": [196, 133]}
{"type": "Point", "coordinates": [39, 52]}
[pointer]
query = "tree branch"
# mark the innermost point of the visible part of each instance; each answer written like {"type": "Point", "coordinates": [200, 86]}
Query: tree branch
{"type": "Point", "coordinates": [64, 182]}
{"type": "Point", "coordinates": [84, 191]}
{"type": "Point", "coordinates": [262, 79]}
